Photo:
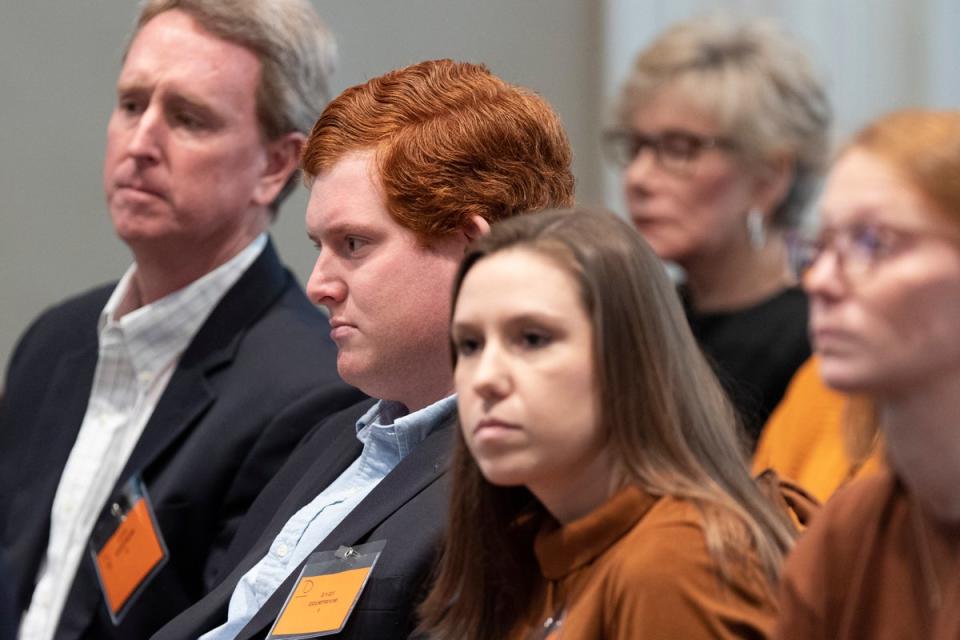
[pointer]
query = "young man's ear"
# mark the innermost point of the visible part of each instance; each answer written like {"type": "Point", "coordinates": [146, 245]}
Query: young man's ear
{"type": "Point", "coordinates": [282, 159]}
{"type": "Point", "coordinates": [477, 226]}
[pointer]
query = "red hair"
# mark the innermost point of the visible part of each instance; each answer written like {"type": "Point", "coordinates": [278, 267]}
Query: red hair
{"type": "Point", "coordinates": [451, 141]}
{"type": "Point", "coordinates": [924, 146]}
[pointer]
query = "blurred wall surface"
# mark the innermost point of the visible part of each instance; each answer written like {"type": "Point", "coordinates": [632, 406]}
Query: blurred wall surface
{"type": "Point", "coordinates": [59, 61]}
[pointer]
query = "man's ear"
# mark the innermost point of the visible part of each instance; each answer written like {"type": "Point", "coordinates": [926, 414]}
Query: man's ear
{"type": "Point", "coordinates": [282, 159]}
{"type": "Point", "coordinates": [476, 226]}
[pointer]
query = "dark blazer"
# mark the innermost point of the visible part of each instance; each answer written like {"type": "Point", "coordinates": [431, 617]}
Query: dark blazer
{"type": "Point", "coordinates": [407, 509]}
{"type": "Point", "coordinates": [207, 450]}
{"type": "Point", "coordinates": [8, 620]}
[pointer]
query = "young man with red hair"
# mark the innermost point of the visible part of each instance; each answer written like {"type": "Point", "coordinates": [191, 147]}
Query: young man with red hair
{"type": "Point", "coordinates": [405, 170]}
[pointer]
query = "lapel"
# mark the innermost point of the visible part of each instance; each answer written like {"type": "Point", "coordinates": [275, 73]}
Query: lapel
{"type": "Point", "coordinates": [317, 461]}
{"type": "Point", "coordinates": [64, 407]}
{"type": "Point", "coordinates": [418, 470]}
{"type": "Point", "coordinates": [189, 392]}
{"type": "Point", "coordinates": [320, 460]}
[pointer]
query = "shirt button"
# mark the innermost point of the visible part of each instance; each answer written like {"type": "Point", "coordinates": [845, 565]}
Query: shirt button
{"type": "Point", "coordinates": [282, 551]}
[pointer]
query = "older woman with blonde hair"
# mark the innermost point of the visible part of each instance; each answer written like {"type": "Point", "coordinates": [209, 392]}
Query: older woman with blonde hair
{"type": "Point", "coordinates": [883, 558]}
{"type": "Point", "coordinates": [722, 132]}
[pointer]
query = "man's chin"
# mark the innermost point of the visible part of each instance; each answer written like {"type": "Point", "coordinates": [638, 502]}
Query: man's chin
{"type": "Point", "coordinates": [351, 371]}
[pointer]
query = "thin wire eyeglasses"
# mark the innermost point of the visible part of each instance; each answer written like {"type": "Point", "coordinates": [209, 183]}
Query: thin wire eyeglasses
{"type": "Point", "coordinates": [675, 150]}
{"type": "Point", "coordinates": [858, 247]}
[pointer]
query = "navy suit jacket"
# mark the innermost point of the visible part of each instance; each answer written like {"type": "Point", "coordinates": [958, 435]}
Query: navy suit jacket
{"type": "Point", "coordinates": [407, 509]}
{"type": "Point", "coordinates": [207, 450]}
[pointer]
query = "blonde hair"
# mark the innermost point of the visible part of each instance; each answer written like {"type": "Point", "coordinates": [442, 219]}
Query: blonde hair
{"type": "Point", "coordinates": [757, 82]}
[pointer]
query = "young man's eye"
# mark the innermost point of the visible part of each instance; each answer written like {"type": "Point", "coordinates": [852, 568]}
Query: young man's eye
{"type": "Point", "coordinates": [354, 244]}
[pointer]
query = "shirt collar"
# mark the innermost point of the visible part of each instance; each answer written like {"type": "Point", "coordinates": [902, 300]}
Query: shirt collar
{"type": "Point", "coordinates": [389, 421]}
{"type": "Point", "coordinates": [158, 332]}
{"type": "Point", "coordinates": [561, 550]}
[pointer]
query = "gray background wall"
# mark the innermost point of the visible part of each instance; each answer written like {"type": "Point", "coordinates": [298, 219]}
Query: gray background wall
{"type": "Point", "coordinates": [59, 60]}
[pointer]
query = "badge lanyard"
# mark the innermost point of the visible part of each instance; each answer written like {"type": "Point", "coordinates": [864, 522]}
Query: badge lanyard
{"type": "Point", "coordinates": [326, 592]}
{"type": "Point", "coordinates": [127, 548]}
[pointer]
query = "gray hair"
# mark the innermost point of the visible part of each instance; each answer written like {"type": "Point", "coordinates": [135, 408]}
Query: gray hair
{"type": "Point", "coordinates": [297, 53]}
{"type": "Point", "coordinates": [759, 84]}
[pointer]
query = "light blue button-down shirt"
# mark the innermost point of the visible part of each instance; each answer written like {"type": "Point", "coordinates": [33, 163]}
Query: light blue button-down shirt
{"type": "Point", "coordinates": [387, 436]}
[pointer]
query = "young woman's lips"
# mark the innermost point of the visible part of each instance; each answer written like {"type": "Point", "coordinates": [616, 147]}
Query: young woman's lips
{"type": "Point", "coordinates": [494, 423]}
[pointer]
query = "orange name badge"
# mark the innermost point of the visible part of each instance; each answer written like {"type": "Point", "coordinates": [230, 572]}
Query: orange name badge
{"type": "Point", "coordinates": [127, 549]}
{"type": "Point", "coordinates": [326, 591]}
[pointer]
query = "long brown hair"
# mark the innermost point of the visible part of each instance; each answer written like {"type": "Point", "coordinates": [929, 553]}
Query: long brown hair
{"type": "Point", "coordinates": [670, 427]}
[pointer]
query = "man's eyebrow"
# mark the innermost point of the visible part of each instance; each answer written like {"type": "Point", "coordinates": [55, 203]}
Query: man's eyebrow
{"type": "Point", "coordinates": [180, 100]}
{"type": "Point", "coordinates": [137, 85]}
{"type": "Point", "coordinates": [130, 86]}
{"type": "Point", "coordinates": [346, 227]}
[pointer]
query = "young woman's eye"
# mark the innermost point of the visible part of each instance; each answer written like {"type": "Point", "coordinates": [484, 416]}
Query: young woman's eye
{"type": "Point", "coordinates": [534, 339]}
{"type": "Point", "coordinates": [466, 346]}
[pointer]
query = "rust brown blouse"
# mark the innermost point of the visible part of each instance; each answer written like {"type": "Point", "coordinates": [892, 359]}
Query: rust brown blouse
{"type": "Point", "coordinates": [638, 567]}
{"type": "Point", "coordinates": [872, 565]}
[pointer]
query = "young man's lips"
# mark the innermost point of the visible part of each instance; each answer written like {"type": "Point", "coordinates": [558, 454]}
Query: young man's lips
{"type": "Point", "coordinates": [340, 329]}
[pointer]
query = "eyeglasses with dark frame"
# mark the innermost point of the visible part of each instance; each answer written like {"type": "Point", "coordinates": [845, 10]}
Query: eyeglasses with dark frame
{"type": "Point", "coordinates": [857, 247]}
{"type": "Point", "coordinates": [675, 150]}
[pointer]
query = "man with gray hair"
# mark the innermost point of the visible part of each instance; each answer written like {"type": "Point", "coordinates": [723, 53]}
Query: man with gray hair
{"type": "Point", "coordinates": [134, 428]}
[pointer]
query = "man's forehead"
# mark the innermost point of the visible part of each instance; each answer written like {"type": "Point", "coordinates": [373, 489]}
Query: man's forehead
{"type": "Point", "coordinates": [173, 47]}
{"type": "Point", "coordinates": [347, 194]}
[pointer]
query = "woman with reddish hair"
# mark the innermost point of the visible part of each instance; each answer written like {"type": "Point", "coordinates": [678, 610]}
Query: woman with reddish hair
{"type": "Point", "coordinates": [882, 560]}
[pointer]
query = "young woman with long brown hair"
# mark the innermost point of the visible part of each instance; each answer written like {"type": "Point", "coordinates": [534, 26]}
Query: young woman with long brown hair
{"type": "Point", "coordinates": [599, 490]}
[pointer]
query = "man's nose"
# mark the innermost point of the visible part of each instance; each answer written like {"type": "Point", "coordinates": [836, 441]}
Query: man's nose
{"type": "Point", "coordinates": [325, 286]}
{"type": "Point", "coordinates": [146, 137]}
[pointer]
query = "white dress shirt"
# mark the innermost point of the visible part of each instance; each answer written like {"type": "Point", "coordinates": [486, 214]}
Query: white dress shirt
{"type": "Point", "coordinates": [137, 356]}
